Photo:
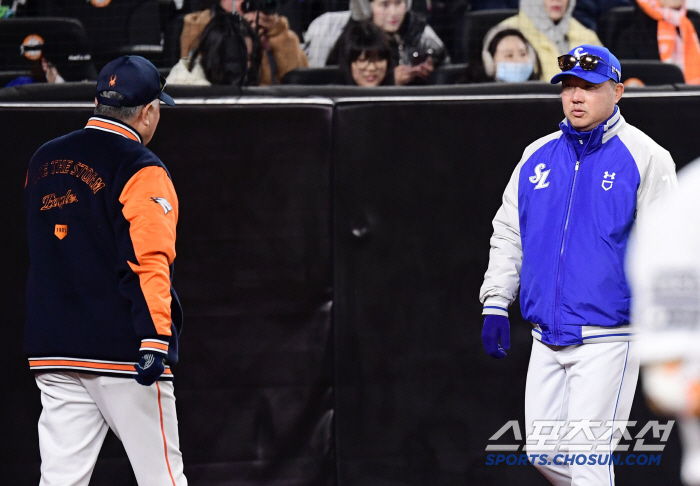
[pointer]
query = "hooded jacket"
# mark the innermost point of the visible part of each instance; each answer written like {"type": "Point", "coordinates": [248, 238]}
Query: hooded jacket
{"type": "Point", "coordinates": [550, 40]}
{"type": "Point", "coordinates": [561, 233]}
{"type": "Point", "coordinates": [414, 33]}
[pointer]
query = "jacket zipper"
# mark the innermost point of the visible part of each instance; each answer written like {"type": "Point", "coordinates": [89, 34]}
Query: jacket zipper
{"type": "Point", "coordinates": [561, 256]}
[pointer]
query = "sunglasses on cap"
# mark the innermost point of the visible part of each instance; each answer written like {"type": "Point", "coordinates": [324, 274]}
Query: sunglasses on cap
{"type": "Point", "coordinates": [588, 62]}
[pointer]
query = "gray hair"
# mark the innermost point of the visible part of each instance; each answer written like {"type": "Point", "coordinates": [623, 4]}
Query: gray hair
{"type": "Point", "coordinates": [121, 113]}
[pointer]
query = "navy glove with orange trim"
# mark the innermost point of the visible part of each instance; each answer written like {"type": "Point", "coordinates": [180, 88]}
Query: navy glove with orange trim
{"type": "Point", "coordinates": [496, 328]}
{"type": "Point", "coordinates": [149, 368]}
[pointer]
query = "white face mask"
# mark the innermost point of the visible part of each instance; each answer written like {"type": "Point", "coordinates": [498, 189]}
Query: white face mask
{"type": "Point", "coordinates": [513, 72]}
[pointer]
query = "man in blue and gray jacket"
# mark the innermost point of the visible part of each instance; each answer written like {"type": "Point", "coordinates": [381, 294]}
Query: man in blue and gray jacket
{"type": "Point", "coordinates": [561, 236]}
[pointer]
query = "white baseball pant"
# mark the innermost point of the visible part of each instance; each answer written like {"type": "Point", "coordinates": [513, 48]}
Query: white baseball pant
{"type": "Point", "coordinates": [593, 382]}
{"type": "Point", "coordinates": [78, 410]}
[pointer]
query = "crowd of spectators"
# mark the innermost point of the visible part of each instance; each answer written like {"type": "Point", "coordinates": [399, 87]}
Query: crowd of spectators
{"type": "Point", "coordinates": [381, 42]}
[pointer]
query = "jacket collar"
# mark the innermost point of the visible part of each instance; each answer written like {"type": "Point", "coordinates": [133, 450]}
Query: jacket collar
{"type": "Point", "coordinates": [112, 125]}
{"type": "Point", "coordinates": [599, 135]}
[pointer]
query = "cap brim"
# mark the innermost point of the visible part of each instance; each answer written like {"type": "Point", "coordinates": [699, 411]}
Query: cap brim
{"type": "Point", "coordinates": [167, 99]}
{"type": "Point", "coordinates": [590, 76]}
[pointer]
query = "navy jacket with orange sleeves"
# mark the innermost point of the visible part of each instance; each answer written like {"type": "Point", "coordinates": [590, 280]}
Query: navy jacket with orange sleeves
{"type": "Point", "coordinates": [101, 218]}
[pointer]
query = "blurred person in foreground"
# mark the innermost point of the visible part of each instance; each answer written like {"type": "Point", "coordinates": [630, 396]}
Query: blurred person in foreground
{"type": "Point", "coordinates": [228, 53]}
{"type": "Point", "coordinates": [506, 57]}
{"type": "Point", "coordinates": [664, 270]}
{"type": "Point", "coordinates": [366, 56]}
{"type": "Point", "coordinates": [561, 236]}
{"type": "Point", "coordinates": [281, 50]}
{"type": "Point", "coordinates": [550, 28]}
{"type": "Point", "coordinates": [661, 30]}
{"type": "Point", "coordinates": [416, 50]}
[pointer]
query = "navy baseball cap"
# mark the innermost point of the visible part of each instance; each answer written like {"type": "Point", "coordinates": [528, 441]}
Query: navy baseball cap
{"type": "Point", "coordinates": [608, 67]}
{"type": "Point", "coordinates": [133, 77]}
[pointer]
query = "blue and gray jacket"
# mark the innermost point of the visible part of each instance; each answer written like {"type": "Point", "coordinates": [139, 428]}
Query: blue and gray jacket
{"type": "Point", "coordinates": [562, 230]}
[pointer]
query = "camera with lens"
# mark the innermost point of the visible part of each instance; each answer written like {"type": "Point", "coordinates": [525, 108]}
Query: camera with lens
{"type": "Point", "coordinates": [265, 6]}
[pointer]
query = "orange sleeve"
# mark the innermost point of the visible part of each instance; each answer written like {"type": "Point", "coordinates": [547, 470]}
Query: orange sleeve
{"type": "Point", "coordinates": [151, 208]}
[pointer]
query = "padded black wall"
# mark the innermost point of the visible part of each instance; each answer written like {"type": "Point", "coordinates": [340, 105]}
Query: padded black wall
{"type": "Point", "coordinates": [380, 210]}
{"type": "Point", "coordinates": [414, 207]}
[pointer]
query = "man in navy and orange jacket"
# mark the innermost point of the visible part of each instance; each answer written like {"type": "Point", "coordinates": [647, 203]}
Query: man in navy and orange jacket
{"type": "Point", "coordinates": [101, 216]}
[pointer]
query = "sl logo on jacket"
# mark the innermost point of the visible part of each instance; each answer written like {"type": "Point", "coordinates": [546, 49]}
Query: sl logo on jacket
{"type": "Point", "coordinates": [540, 178]}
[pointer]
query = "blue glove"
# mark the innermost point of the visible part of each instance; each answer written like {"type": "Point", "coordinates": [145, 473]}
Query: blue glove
{"type": "Point", "coordinates": [496, 328]}
{"type": "Point", "coordinates": [149, 368]}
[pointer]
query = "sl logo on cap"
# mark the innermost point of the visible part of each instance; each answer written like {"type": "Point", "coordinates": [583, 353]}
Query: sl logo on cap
{"type": "Point", "coordinates": [31, 47]}
{"type": "Point", "coordinates": [61, 230]}
{"type": "Point", "coordinates": [112, 80]}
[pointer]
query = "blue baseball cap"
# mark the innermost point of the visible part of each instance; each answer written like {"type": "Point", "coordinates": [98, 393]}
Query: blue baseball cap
{"type": "Point", "coordinates": [609, 68]}
{"type": "Point", "coordinates": [133, 77]}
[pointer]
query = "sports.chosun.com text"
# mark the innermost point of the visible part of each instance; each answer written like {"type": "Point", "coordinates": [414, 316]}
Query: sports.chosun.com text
{"type": "Point", "coordinates": [571, 459]}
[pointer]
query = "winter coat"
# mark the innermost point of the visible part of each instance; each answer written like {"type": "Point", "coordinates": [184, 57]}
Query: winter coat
{"type": "Point", "coordinates": [561, 233]}
{"type": "Point", "coordinates": [282, 45]}
{"type": "Point", "coordinates": [414, 36]}
{"type": "Point", "coordinates": [549, 40]}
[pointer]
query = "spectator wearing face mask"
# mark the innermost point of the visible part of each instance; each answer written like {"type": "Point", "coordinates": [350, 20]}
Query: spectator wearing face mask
{"type": "Point", "coordinates": [549, 27]}
{"type": "Point", "coordinates": [507, 57]}
{"type": "Point", "coordinates": [366, 57]}
{"type": "Point", "coordinates": [415, 47]}
{"type": "Point", "coordinates": [661, 30]}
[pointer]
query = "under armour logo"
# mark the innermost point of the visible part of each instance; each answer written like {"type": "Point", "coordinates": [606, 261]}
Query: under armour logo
{"type": "Point", "coordinates": [112, 80]}
{"type": "Point", "coordinates": [607, 185]}
{"type": "Point", "coordinates": [163, 204]}
{"type": "Point", "coordinates": [540, 177]}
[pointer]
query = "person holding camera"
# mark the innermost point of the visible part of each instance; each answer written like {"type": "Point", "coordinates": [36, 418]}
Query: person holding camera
{"type": "Point", "coordinates": [229, 52]}
{"type": "Point", "coordinates": [415, 47]}
{"type": "Point", "coordinates": [281, 47]}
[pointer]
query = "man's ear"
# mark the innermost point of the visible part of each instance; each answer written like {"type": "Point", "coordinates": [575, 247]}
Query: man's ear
{"type": "Point", "coordinates": [619, 89]}
{"type": "Point", "coordinates": [144, 114]}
